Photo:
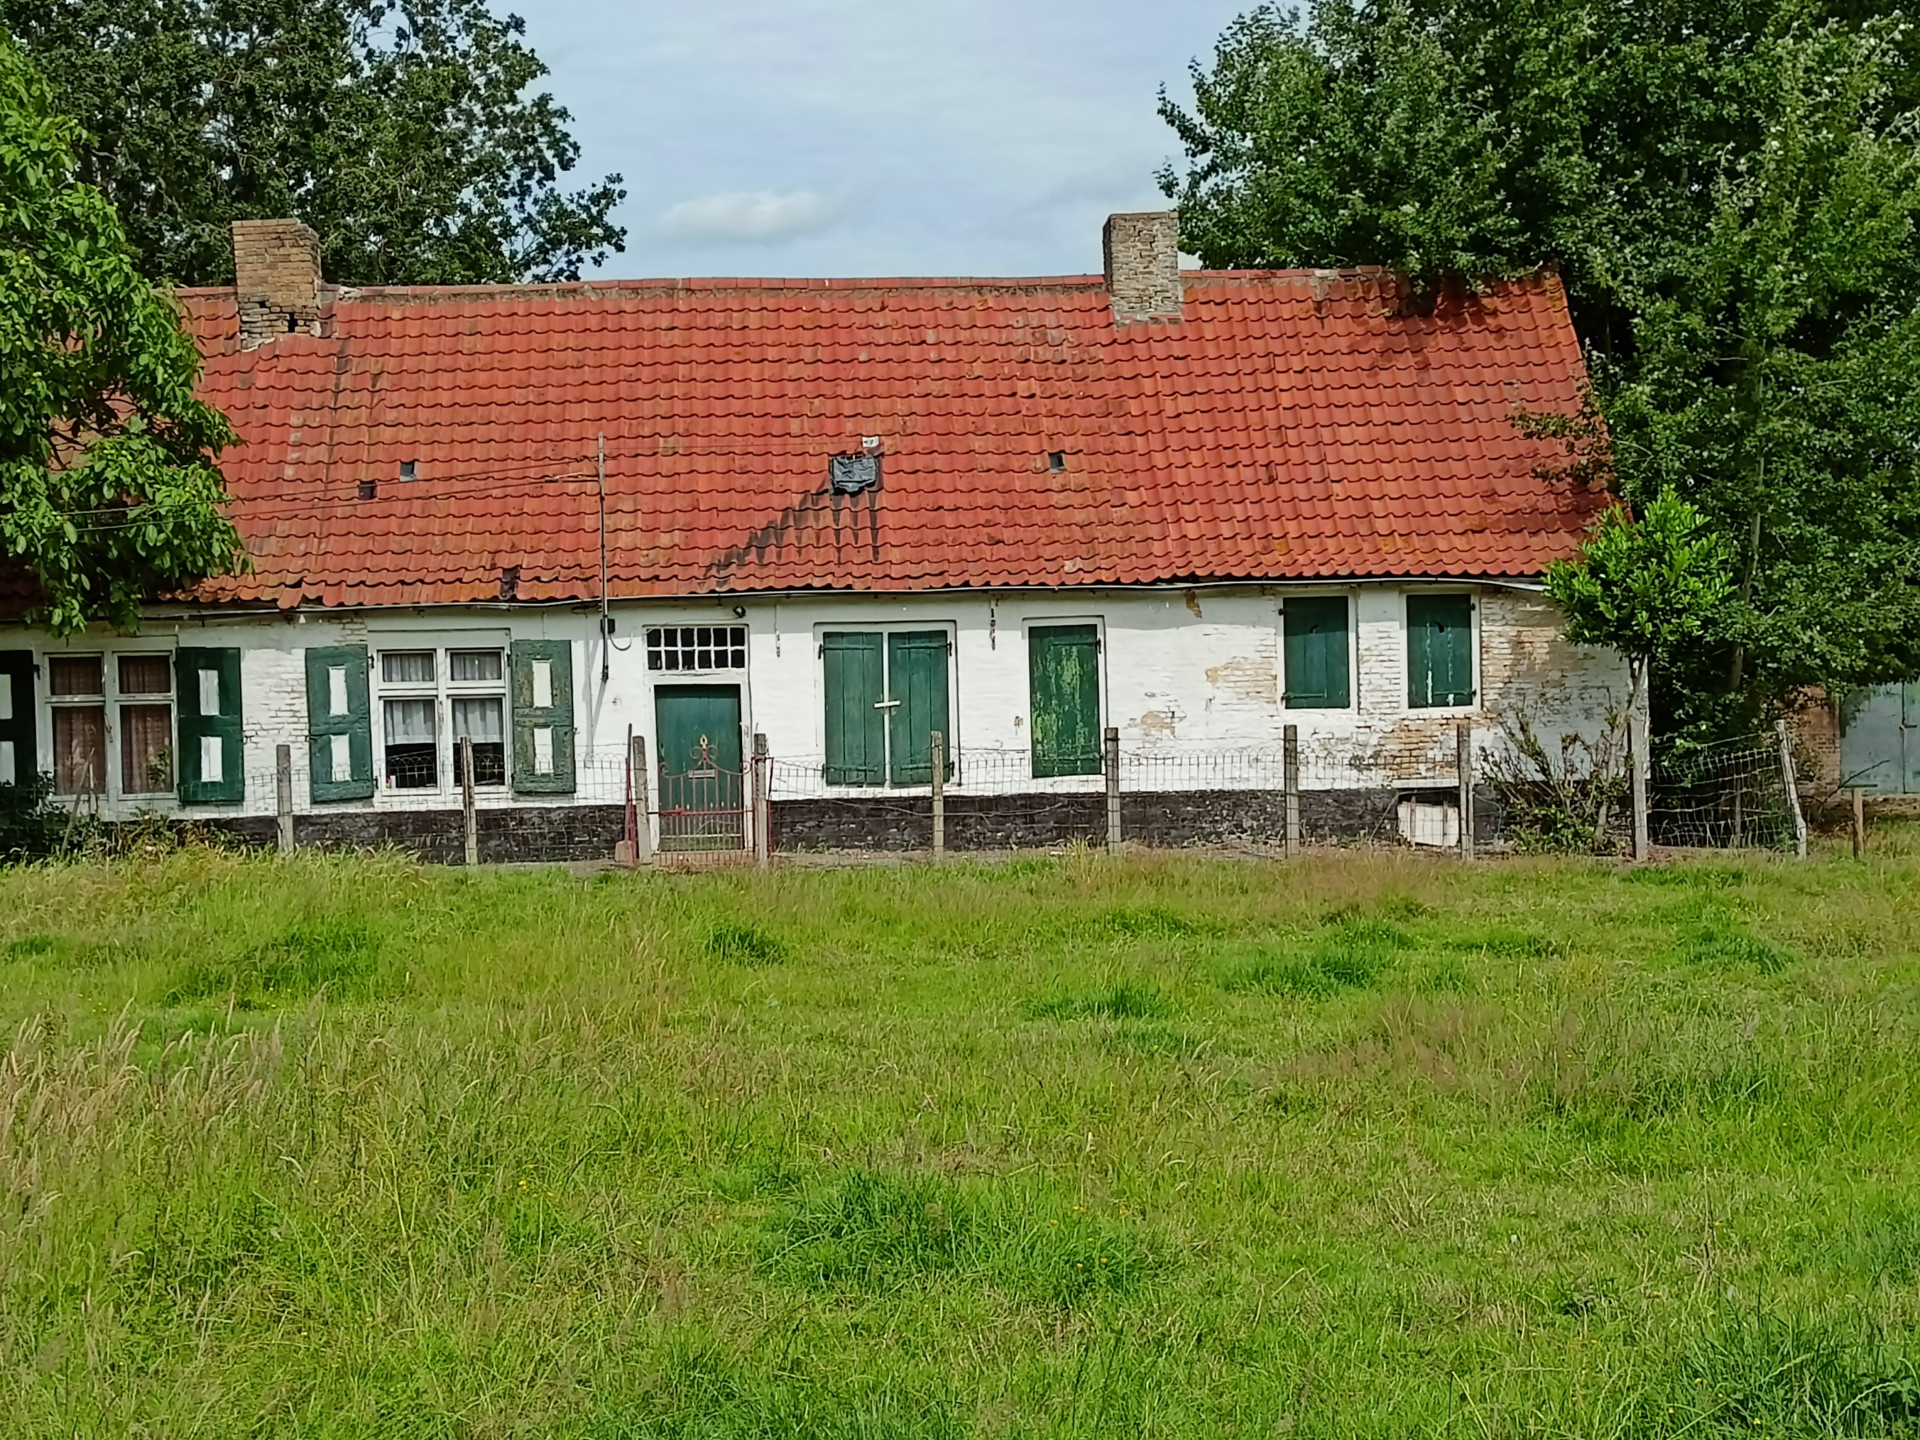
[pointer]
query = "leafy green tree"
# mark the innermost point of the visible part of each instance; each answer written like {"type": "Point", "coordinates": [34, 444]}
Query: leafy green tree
{"type": "Point", "coordinates": [1729, 193]}
{"type": "Point", "coordinates": [109, 489]}
{"type": "Point", "coordinates": [402, 131]}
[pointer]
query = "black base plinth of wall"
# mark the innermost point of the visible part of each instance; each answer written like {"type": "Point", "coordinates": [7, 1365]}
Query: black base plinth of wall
{"type": "Point", "coordinates": [1171, 818]}
{"type": "Point", "coordinates": [534, 832]}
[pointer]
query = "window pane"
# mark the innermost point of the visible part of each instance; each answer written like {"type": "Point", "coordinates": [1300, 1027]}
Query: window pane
{"type": "Point", "coordinates": [409, 721]}
{"type": "Point", "coordinates": [407, 667]}
{"type": "Point", "coordinates": [75, 675]}
{"type": "Point", "coordinates": [146, 749]}
{"type": "Point", "coordinates": [411, 751]}
{"type": "Point", "coordinates": [146, 675]}
{"type": "Point", "coordinates": [473, 665]}
{"type": "Point", "coordinates": [79, 749]}
{"type": "Point", "coordinates": [480, 719]}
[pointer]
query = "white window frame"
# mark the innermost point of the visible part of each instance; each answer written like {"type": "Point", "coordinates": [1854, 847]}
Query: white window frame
{"type": "Point", "coordinates": [120, 699]}
{"type": "Point", "coordinates": [443, 690]}
{"type": "Point", "coordinates": [1352, 597]}
{"type": "Point", "coordinates": [669, 676]}
{"type": "Point", "coordinates": [823, 628]}
{"type": "Point", "coordinates": [1474, 608]}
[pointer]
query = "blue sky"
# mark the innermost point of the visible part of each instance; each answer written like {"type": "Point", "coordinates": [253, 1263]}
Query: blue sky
{"type": "Point", "coordinates": [871, 137]}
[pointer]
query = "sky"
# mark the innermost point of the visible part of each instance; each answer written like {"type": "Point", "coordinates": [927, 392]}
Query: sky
{"type": "Point", "coordinates": [809, 138]}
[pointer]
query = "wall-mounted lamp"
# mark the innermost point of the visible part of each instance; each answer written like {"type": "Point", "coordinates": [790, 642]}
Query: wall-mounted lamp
{"type": "Point", "coordinates": [739, 612]}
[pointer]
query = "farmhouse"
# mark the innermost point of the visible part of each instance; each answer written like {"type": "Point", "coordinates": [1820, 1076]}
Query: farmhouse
{"type": "Point", "coordinates": [848, 516]}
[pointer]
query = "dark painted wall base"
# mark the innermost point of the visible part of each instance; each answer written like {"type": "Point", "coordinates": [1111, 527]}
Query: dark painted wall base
{"type": "Point", "coordinates": [1171, 818]}
{"type": "Point", "coordinates": [543, 832]}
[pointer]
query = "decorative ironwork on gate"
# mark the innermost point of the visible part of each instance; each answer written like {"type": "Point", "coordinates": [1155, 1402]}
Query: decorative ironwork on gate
{"type": "Point", "coordinates": [703, 807]}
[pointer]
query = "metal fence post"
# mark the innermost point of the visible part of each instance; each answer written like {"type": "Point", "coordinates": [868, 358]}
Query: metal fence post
{"type": "Point", "coordinates": [283, 796]}
{"type": "Point", "coordinates": [642, 805]}
{"type": "Point", "coordinates": [1642, 763]}
{"type": "Point", "coordinates": [1793, 789]}
{"type": "Point", "coordinates": [1859, 822]}
{"type": "Point", "coordinates": [1465, 766]}
{"type": "Point", "coordinates": [1290, 778]}
{"type": "Point", "coordinates": [937, 751]}
{"type": "Point", "coordinates": [762, 810]}
{"type": "Point", "coordinates": [469, 822]}
{"type": "Point", "coordinates": [1110, 745]}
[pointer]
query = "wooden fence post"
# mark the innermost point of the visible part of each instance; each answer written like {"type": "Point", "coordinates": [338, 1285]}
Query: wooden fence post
{"type": "Point", "coordinates": [1290, 781]}
{"type": "Point", "coordinates": [283, 796]}
{"type": "Point", "coordinates": [1859, 823]}
{"type": "Point", "coordinates": [1110, 749]}
{"type": "Point", "coordinates": [937, 751]}
{"type": "Point", "coordinates": [469, 821]}
{"type": "Point", "coordinates": [1642, 763]}
{"type": "Point", "coordinates": [1793, 789]}
{"type": "Point", "coordinates": [762, 809]}
{"type": "Point", "coordinates": [1464, 765]}
{"type": "Point", "coordinates": [642, 804]}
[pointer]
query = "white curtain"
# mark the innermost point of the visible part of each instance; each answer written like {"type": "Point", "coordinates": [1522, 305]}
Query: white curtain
{"type": "Point", "coordinates": [410, 722]}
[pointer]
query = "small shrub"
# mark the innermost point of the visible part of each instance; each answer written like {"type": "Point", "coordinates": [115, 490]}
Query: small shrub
{"type": "Point", "coordinates": [1122, 1000]}
{"type": "Point", "coordinates": [33, 825]}
{"type": "Point", "coordinates": [735, 942]}
{"type": "Point", "coordinates": [1718, 944]}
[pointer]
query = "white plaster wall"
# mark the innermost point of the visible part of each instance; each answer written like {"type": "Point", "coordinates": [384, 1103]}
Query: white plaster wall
{"type": "Point", "coordinates": [1184, 673]}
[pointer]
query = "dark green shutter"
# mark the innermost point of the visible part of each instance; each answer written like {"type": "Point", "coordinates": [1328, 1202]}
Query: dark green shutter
{"type": "Point", "coordinates": [855, 686]}
{"type": "Point", "coordinates": [1316, 653]}
{"type": "Point", "coordinates": [206, 687]}
{"type": "Point", "coordinates": [1439, 650]}
{"type": "Point", "coordinates": [917, 681]}
{"type": "Point", "coordinates": [1063, 685]}
{"type": "Point", "coordinates": [323, 724]}
{"type": "Point", "coordinates": [19, 747]}
{"type": "Point", "coordinates": [532, 752]}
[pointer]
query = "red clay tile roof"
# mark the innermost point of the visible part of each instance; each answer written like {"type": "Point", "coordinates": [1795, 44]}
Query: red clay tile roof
{"type": "Point", "coordinates": [1289, 426]}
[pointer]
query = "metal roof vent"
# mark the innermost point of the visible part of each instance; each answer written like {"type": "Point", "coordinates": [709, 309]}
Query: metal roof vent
{"type": "Point", "coordinates": [850, 474]}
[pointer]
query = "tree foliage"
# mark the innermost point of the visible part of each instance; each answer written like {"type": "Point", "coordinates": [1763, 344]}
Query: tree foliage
{"type": "Point", "coordinates": [1730, 194]}
{"type": "Point", "coordinates": [109, 488]}
{"type": "Point", "coordinates": [402, 131]}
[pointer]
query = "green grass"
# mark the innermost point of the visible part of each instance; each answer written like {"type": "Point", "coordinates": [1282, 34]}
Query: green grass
{"type": "Point", "coordinates": [1362, 1145]}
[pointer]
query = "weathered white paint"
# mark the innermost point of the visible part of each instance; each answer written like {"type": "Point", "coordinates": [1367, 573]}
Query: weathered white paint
{"type": "Point", "coordinates": [1182, 671]}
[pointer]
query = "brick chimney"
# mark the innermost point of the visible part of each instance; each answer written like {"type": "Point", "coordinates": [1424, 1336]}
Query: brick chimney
{"type": "Point", "coordinates": [276, 278]}
{"type": "Point", "coordinates": [1143, 265]}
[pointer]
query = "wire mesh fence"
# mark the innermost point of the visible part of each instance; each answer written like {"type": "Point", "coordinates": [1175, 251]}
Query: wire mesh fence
{"type": "Point", "coordinates": [1731, 794]}
{"type": "Point", "coordinates": [1399, 787]}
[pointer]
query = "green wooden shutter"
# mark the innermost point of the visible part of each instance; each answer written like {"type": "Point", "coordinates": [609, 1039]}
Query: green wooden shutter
{"type": "Point", "coordinates": [19, 746]}
{"type": "Point", "coordinates": [206, 686]}
{"type": "Point", "coordinates": [1318, 675]}
{"type": "Point", "coordinates": [543, 733]}
{"type": "Point", "coordinates": [339, 724]}
{"type": "Point", "coordinates": [917, 681]}
{"type": "Point", "coordinates": [1439, 650]}
{"type": "Point", "coordinates": [1063, 688]}
{"type": "Point", "coordinates": [855, 686]}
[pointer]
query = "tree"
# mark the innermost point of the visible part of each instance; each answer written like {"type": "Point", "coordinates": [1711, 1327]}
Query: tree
{"type": "Point", "coordinates": [109, 490]}
{"type": "Point", "coordinates": [400, 130]}
{"type": "Point", "coordinates": [1730, 194]}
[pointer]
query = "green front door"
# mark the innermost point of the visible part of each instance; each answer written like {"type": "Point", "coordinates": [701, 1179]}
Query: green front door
{"type": "Point", "coordinates": [886, 694]}
{"type": "Point", "coordinates": [701, 794]}
{"type": "Point", "coordinates": [916, 704]}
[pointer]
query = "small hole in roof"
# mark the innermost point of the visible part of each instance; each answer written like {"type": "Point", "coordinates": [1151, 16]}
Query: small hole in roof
{"type": "Point", "coordinates": [1056, 461]}
{"type": "Point", "coordinates": [409, 469]}
{"type": "Point", "coordinates": [368, 490]}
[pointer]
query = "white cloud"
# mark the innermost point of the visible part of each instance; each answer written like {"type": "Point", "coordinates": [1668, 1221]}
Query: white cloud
{"type": "Point", "coordinates": [754, 217]}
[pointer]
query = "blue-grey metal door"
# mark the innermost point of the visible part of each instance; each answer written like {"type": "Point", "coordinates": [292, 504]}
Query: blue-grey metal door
{"type": "Point", "coordinates": [1880, 740]}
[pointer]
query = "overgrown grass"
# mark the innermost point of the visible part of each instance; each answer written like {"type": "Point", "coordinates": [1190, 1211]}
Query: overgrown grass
{"type": "Point", "coordinates": [1360, 1145]}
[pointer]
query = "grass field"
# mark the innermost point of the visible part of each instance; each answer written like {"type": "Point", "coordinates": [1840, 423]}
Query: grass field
{"type": "Point", "coordinates": [1361, 1145]}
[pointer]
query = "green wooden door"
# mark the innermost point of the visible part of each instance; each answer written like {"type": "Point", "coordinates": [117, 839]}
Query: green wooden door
{"type": "Point", "coordinates": [1063, 684]}
{"type": "Point", "coordinates": [916, 704]}
{"type": "Point", "coordinates": [702, 790]}
{"type": "Point", "coordinates": [1316, 653]}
